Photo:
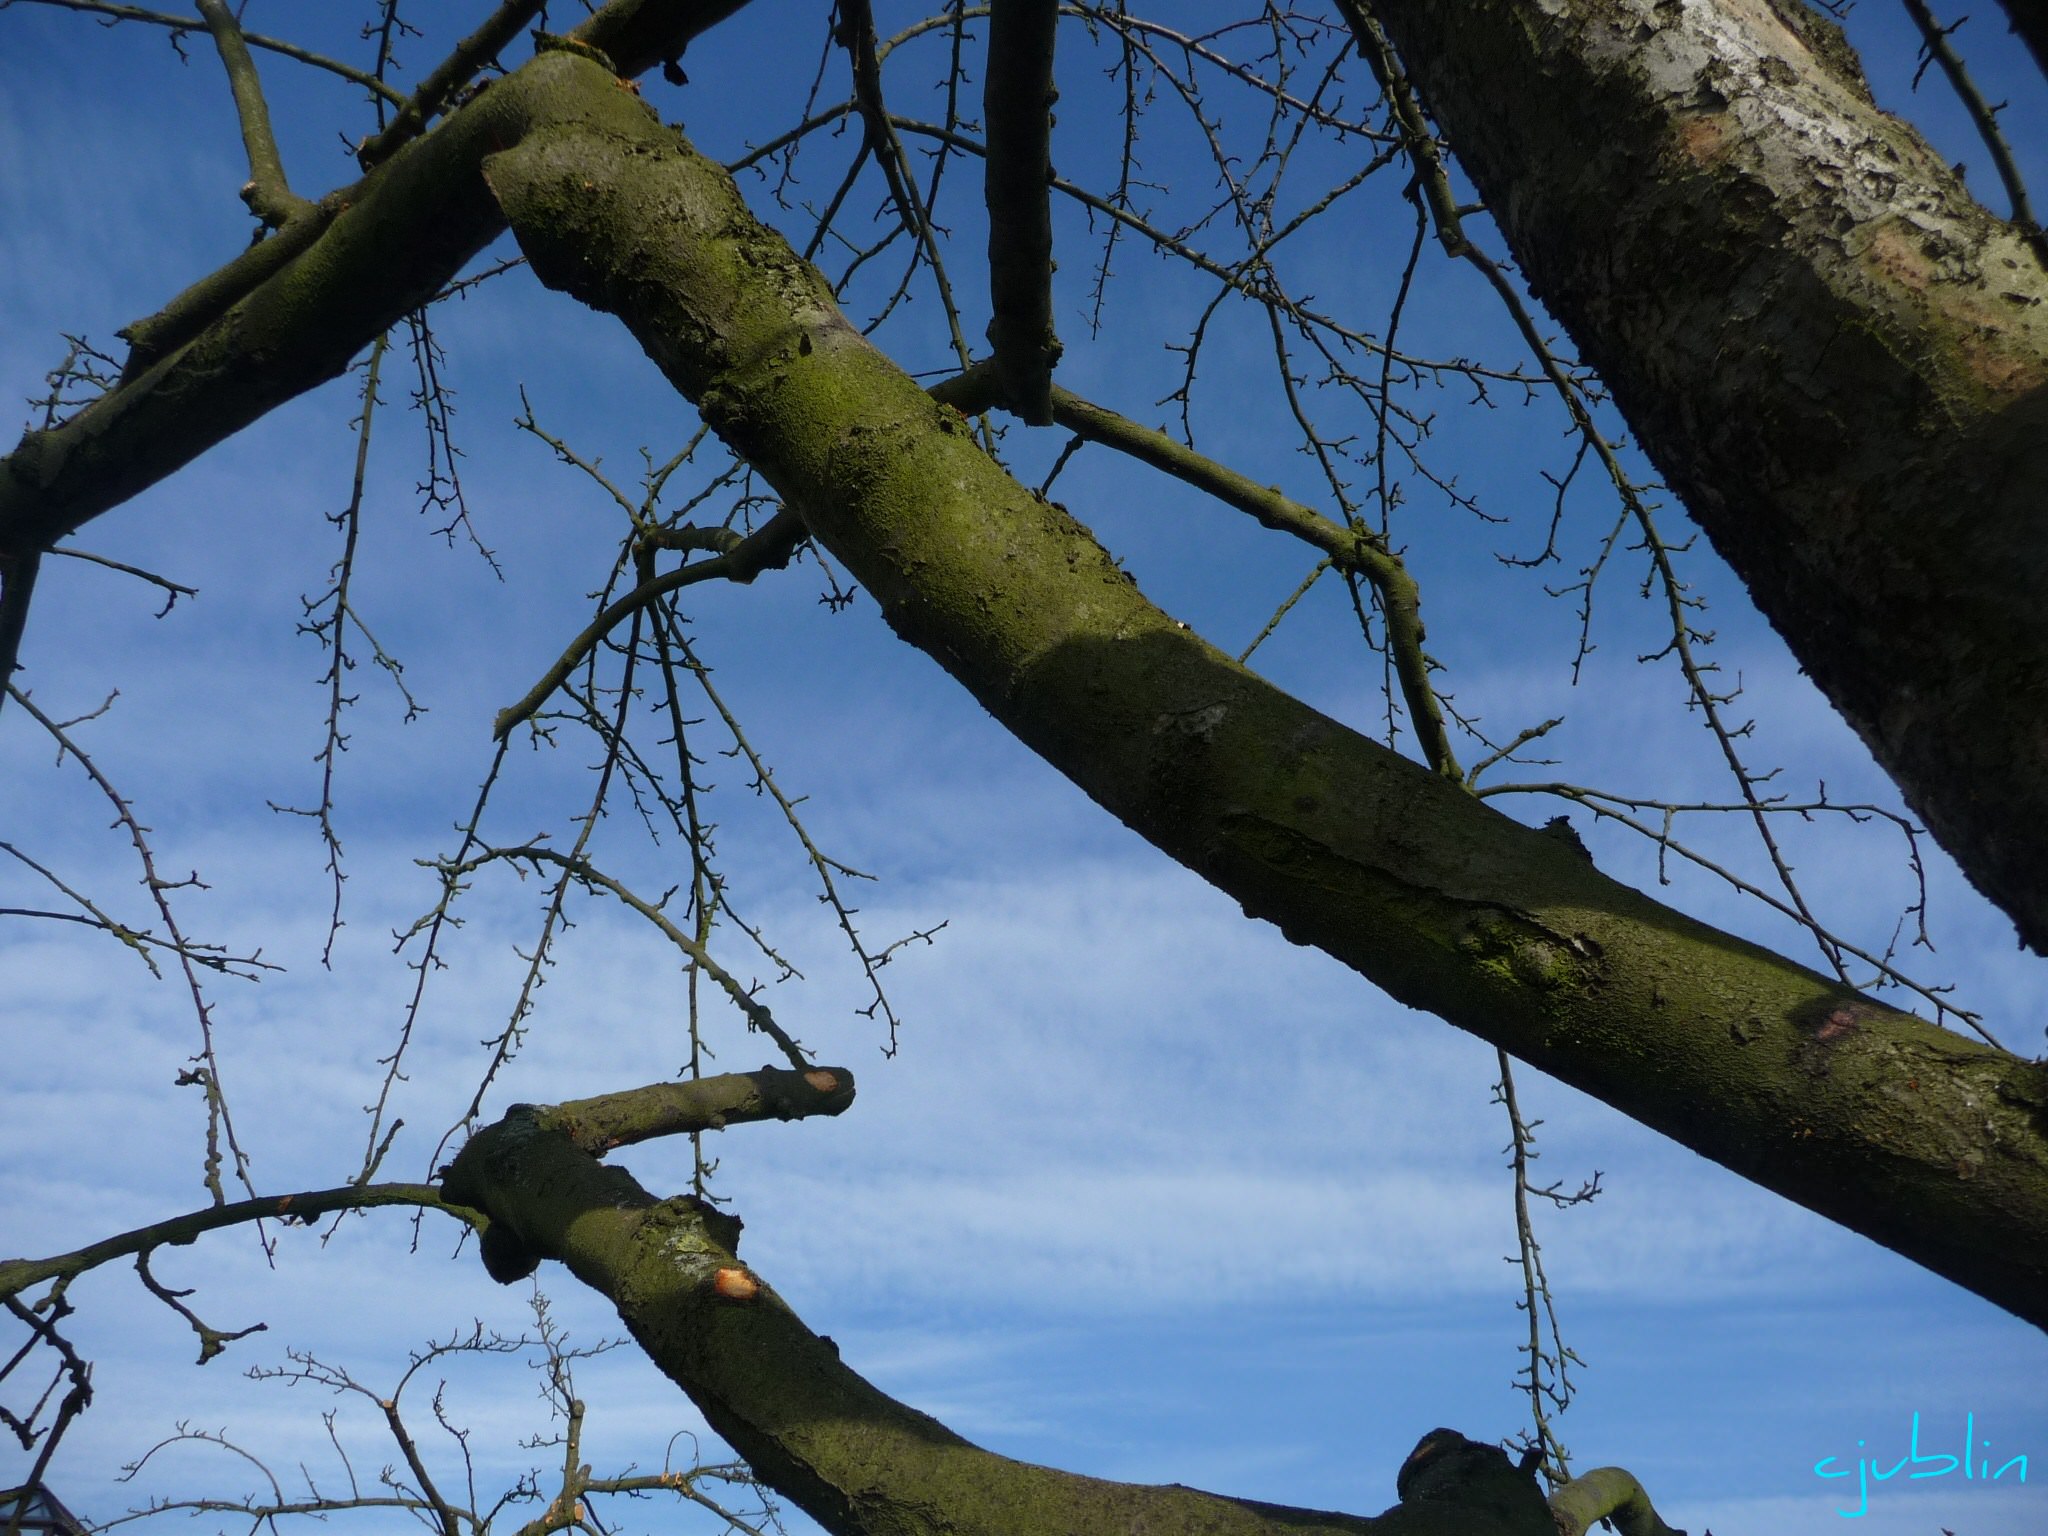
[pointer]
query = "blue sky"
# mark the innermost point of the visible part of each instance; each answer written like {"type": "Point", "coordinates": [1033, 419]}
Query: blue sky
{"type": "Point", "coordinates": [1146, 1191]}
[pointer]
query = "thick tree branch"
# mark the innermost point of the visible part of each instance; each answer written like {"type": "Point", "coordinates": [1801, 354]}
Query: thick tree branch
{"type": "Point", "coordinates": [1828, 349]}
{"type": "Point", "coordinates": [855, 1459]}
{"type": "Point", "coordinates": [597, 1125]}
{"type": "Point", "coordinates": [1349, 549]}
{"type": "Point", "coordinates": [18, 569]}
{"type": "Point", "coordinates": [1607, 1493]}
{"type": "Point", "coordinates": [1926, 1142]}
{"type": "Point", "coordinates": [1984, 116]}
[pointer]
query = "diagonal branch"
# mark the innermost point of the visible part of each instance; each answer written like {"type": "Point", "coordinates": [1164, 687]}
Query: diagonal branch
{"type": "Point", "coordinates": [1856, 422]}
{"type": "Point", "coordinates": [290, 313]}
{"type": "Point", "coordinates": [18, 570]}
{"type": "Point", "coordinates": [1935, 39]}
{"type": "Point", "coordinates": [1734, 1051]}
{"type": "Point", "coordinates": [448, 77]}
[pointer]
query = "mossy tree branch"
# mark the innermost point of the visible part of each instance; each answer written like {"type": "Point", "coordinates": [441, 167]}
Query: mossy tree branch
{"type": "Point", "coordinates": [1921, 1140]}
{"type": "Point", "coordinates": [1349, 548]}
{"type": "Point", "coordinates": [855, 1459]}
{"type": "Point", "coordinates": [448, 77]}
{"type": "Point", "coordinates": [1610, 1494]}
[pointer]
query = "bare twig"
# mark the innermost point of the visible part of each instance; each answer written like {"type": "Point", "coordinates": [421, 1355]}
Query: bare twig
{"type": "Point", "coordinates": [1546, 1375]}
{"type": "Point", "coordinates": [213, 957]}
{"type": "Point", "coordinates": [212, 1340]}
{"type": "Point", "coordinates": [767, 548]}
{"type": "Point", "coordinates": [331, 630]}
{"type": "Point", "coordinates": [180, 25]}
{"type": "Point", "coordinates": [205, 1071]}
{"type": "Point", "coordinates": [17, 1275]}
{"type": "Point", "coordinates": [856, 34]}
{"type": "Point", "coordinates": [172, 590]}
{"type": "Point", "coordinates": [472, 54]}
{"type": "Point", "coordinates": [1935, 41]}
{"type": "Point", "coordinates": [71, 1365]}
{"type": "Point", "coordinates": [584, 873]}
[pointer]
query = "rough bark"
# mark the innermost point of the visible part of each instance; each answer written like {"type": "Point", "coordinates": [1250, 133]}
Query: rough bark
{"type": "Point", "coordinates": [1929, 1143]}
{"type": "Point", "coordinates": [1828, 349]}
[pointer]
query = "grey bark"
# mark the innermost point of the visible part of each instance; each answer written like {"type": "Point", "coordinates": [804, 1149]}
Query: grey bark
{"type": "Point", "coordinates": [1835, 356]}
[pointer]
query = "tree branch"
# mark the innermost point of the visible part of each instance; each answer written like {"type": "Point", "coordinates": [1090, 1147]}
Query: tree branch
{"type": "Point", "coordinates": [290, 313]}
{"type": "Point", "coordinates": [1984, 116]}
{"type": "Point", "coordinates": [1349, 549]}
{"type": "Point", "coordinates": [17, 1275]}
{"type": "Point", "coordinates": [1736, 1052]}
{"type": "Point", "coordinates": [2028, 20]}
{"type": "Point", "coordinates": [269, 193]}
{"type": "Point", "coordinates": [1607, 1493]}
{"type": "Point", "coordinates": [18, 569]}
{"type": "Point", "coordinates": [597, 1125]}
{"type": "Point", "coordinates": [579, 869]}
{"type": "Point", "coordinates": [858, 1461]}
{"type": "Point", "coordinates": [448, 77]}
{"type": "Point", "coordinates": [1017, 99]}
{"type": "Point", "coordinates": [767, 548]}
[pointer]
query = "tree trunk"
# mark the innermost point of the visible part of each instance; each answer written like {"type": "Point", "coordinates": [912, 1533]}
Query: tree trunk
{"type": "Point", "coordinates": [1835, 356]}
